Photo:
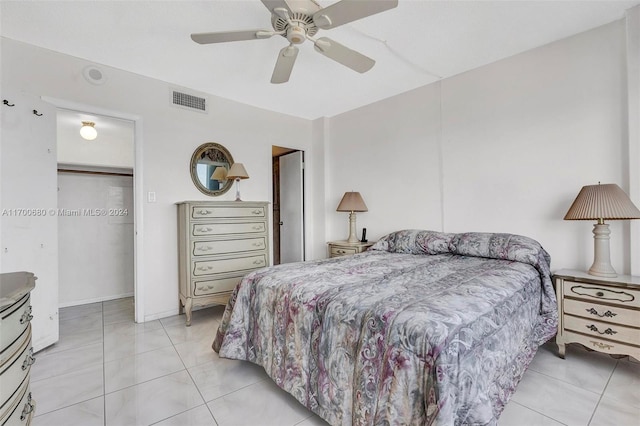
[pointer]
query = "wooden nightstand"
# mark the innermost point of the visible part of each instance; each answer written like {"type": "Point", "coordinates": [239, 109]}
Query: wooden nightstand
{"type": "Point", "coordinates": [344, 248]}
{"type": "Point", "coordinates": [601, 313]}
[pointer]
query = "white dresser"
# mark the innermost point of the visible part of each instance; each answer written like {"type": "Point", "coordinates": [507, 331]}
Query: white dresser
{"type": "Point", "coordinates": [602, 314]}
{"type": "Point", "coordinates": [219, 242]}
{"type": "Point", "coordinates": [16, 354]}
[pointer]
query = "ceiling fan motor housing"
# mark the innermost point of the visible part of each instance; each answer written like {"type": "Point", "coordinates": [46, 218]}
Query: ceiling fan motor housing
{"type": "Point", "coordinates": [296, 34]}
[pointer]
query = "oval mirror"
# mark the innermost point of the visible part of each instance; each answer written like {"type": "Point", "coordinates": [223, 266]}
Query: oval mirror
{"type": "Point", "coordinates": [209, 166]}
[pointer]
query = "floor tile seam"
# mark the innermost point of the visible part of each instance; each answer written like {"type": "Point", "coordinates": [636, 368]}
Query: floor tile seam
{"type": "Point", "coordinates": [234, 391]}
{"type": "Point", "coordinates": [151, 380]}
{"type": "Point", "coordinates": [568, 382]}
{"type": "Point", "coordinates": [535, 411]}
{"type": "Point", "coordinates": [77, 317]}
{"type": "Point", "coordinates": [87, 367]}
{"type": "Point", "coordinates": [40, 356]}
{"type": "Point", "coordinates": [138, 353]}
{"type": "Point", "coordinates": [177, 414]}
{"type": "Point", "coordinates": [38, 414]}
{"type": "Point", "coordinates": [142, 353]}
{"type": "Point", "coordinates": [572, 384]}
{"type": "Point", "coordinates": [83, 369]}
{"type": "Point", "coordinates": [39, 406]}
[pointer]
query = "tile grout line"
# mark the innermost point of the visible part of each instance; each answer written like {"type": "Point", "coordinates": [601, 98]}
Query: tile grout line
{"type": "Point", "coordinates": [602, 394]}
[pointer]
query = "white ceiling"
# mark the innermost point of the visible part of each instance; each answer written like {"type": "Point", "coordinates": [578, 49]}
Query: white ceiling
{"type": "Point", "coordinates": [414, 44]}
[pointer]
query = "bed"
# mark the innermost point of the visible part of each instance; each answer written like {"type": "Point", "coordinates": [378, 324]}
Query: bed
{"type": "Point", "coordinates": [423, 328]}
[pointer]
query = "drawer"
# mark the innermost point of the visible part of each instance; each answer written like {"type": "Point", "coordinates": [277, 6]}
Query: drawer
{"type": "Point", "coordinates": [204, 229]}
{"type": "Point", "coordinates": [204, 212]}
{"type": "Point", "coordinates": [607, 313]}
{"type": "Point", "coordinates": [22, 412]}
{"type": "Point", "coordinates": [616, 295]}
{"type": "Point", "coordinates": [204, 287]}
{"type": "Point", "coordinates": [14, 322]}
{"type": "Point", "coordinates": [602, 345]}
{"type": "Point", "coordinates": [602, 330]}
{"type": "Point", "coordinates": [217, 266]}
{"type": "Point", "coordinates": [17, 344]}
{"type": "Point", "coordinates": [342, 251]}
{"type": "Point", "coordinates": [208, 248]}
{"type": "Point", "coordinates": [14, 372]}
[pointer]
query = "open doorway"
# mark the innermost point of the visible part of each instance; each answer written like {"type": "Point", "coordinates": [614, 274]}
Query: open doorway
{"type": "Point", "coordinates": [288, 205]}
{"type": "Point", "coordinates": [95, 208]}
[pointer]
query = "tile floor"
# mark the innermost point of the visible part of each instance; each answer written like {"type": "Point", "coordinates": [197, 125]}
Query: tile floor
{"type": "Point", "coordinates": [107, 370]}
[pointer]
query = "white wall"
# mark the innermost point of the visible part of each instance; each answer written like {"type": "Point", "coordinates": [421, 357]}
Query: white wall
{"type": "Point", "coordinates": [169, 136]}
{"type": "Point", "coordinates": [95, 256]}
{"type": "Point", "coordinates": [28, 226]}
{"type": "Point", "coordinates": [513, 143]}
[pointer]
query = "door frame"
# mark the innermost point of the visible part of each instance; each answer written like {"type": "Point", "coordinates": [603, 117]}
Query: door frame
{"type": "Point", "coordinates": [138, 194]}
{"type": "Point", "coordinates": [278, 151]}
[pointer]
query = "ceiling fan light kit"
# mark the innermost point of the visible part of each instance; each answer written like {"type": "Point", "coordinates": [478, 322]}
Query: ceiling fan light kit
{"type": "Point", "coordinates": [299, 20]}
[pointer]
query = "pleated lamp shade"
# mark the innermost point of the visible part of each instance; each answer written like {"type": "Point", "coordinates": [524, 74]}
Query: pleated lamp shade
{"type": "Point", "coordinates": [600, 202]}
{"type": "Point", "coordinates": [606, 201]}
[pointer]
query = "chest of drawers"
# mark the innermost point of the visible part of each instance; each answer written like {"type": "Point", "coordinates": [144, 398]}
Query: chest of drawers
{"type": "Point", "coordinates": [219, 242]}
{"type": "Point", "coordinates": [16, 354]}
{"type": "Point", "coordinates": [602, 314]}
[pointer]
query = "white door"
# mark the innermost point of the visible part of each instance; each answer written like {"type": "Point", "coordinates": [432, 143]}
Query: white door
{"type": "Point", "coordinates": [292, 207]}
{"type": "Point", "coordinates": [28, 201]}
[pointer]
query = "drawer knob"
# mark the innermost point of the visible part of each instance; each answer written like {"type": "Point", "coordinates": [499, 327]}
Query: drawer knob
{"type": "Point", "coordinates": [205, 229]}
{"type": "Point", "coordinates": [28, 360]}
{"type": "Point", "coordinates": [258, 262]}
{"type": "Point", "coordinates": [204, 212]}
{"type": "Point", "coordinates": [607, 331]}
{"type": "Point", "coordinates": [257, 228]}
{"type": "Point", "coordinates": [258, 244]}
{"type": "Point", "coordinates": [28, 408]}
{"type": "Point", "coordinates": [256, 211]}
{"type": "Point", "coordinates": [26, 316]}
{"type": "Point", "coordinates": [600, 294]}
{"type": "Point", "coordinates": [205, 248]}
{"type": "Point", "coordinates": [607, 314]}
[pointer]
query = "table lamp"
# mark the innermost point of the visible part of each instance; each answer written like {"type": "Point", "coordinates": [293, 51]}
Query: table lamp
{"type": "Point", "coordinates": [237, 172]}
{"type": "Point", "coordinates": [600, 202]}
{"type": "Point", "coordinates": [352, 202]}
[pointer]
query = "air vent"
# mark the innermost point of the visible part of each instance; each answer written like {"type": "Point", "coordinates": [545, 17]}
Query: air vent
{"type": "Point", "coordinates": [188, 101]}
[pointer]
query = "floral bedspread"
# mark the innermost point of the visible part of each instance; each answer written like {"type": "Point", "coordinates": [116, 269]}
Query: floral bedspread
{"type": "Point", "coordinates": [424, 328]}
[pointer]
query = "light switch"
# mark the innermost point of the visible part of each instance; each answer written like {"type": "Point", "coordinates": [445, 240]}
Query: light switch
{"type": "Point", "coordinates": [151, 196]}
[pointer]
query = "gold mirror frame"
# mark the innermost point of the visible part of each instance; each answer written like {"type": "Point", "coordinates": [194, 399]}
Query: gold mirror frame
{"type": "Point", "coordinates": [210, 155]}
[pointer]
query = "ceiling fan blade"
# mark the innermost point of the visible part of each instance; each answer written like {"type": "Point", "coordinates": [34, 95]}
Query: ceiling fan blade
{"type": "Point", "coordinates": [273, 4]}
{"type": "Point", "coordinates": [346, 11]}
{"type": "Point", "coordinates": [225, 36]}
{"type": "Point", "coordinates": [342, 54]}
{"type": "Point", "coordinates": [284, 65]}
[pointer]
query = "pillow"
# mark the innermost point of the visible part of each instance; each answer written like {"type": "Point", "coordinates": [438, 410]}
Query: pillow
{"type": "Point", "coordinates": [414, 241]}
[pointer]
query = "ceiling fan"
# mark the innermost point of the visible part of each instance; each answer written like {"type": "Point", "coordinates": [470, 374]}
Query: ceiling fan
{"type": "Point", "coordinates": [300, 20]}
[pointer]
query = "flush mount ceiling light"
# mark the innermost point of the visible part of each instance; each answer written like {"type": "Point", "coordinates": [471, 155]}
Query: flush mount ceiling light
{"type": "Point", "coordinates": [88, 131]}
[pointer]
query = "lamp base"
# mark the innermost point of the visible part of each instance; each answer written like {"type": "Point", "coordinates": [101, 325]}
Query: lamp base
{"type": "Point", "coordinates": [238, 189]}
{"type": "Point", "coordinates": [352, 229]}
{"type": "Point", "coordinates": [602, 258]}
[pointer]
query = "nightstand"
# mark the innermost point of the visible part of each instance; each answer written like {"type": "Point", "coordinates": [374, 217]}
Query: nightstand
{"type": "Point", "coordinates": [344, 248]}
{"type": "Point", "coordinates": [602, 314]}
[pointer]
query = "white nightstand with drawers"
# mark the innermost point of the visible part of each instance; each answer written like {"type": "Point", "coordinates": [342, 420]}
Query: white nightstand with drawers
{"type": "Point", "coordinates": [219, 242]}
{"type": "Point", "coordinates": [602, 314]}
{"type": "Point", "coordinates": [345, 248]}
